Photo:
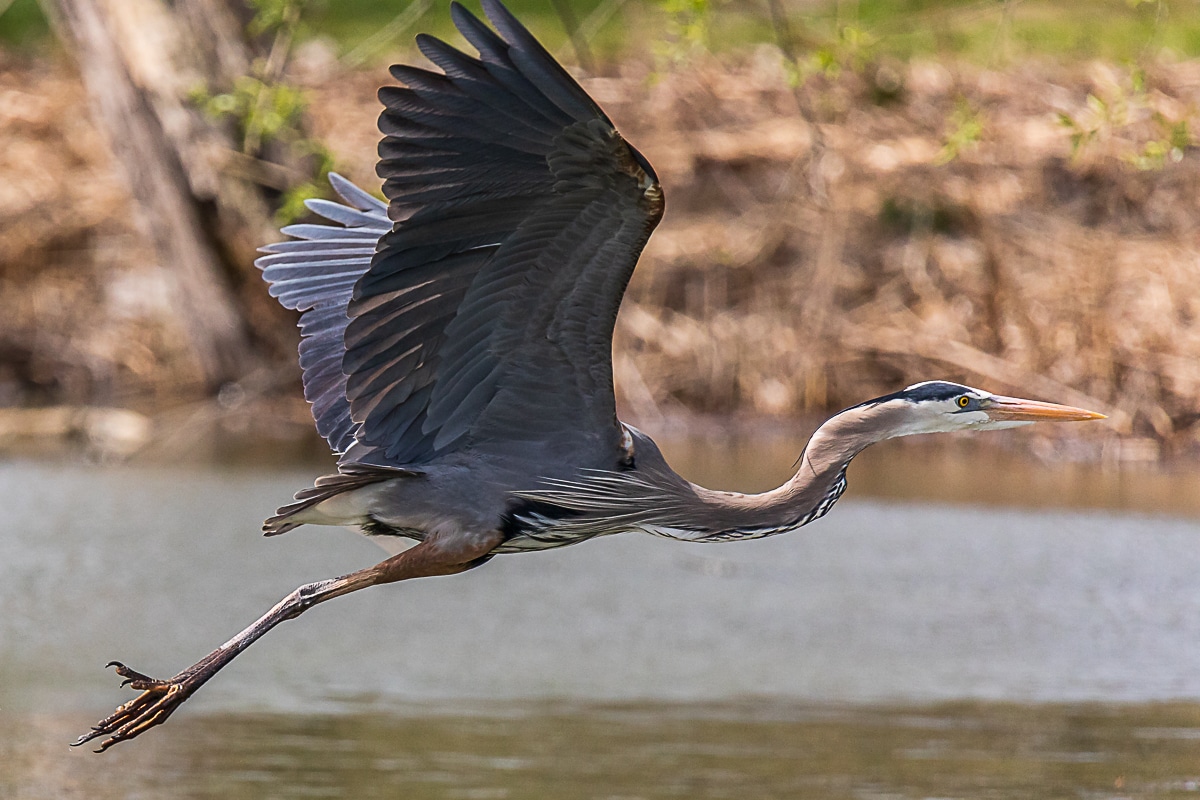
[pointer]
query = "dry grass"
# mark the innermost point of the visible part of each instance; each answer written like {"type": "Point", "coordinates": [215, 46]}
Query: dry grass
{"type": "Point", "coordinates": [1021, 264]}
{"type": "Point", "coordinates": [1024, 264]}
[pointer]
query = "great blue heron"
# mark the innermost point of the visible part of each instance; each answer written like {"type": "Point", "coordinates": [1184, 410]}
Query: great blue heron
{"type": "Point", "coordinates": [456, 347]}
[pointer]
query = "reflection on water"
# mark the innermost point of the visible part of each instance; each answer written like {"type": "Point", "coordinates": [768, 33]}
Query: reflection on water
{"type": "Point", "coordinates": [631, 751]}
{"type": "Point", "coordinates": [910, 649]}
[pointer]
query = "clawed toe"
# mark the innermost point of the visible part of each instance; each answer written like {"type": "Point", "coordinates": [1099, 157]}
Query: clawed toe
{"type": "Point", "coordinates": [158, 700]}
{"type": "Point", "coordinates": [134, 678]}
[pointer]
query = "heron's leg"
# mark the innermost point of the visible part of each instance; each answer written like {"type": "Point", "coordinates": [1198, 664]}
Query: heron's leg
{"type": "Point", "coordinates": [159, 698]}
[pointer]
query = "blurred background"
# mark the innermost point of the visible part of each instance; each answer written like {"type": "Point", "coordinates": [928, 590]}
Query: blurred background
{"type": "Point", "coordinates": [861, 194]}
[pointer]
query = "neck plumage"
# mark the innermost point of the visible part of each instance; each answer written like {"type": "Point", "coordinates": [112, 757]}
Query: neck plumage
{"type": "Point", "coordinates": [652, 497]}
{"type": "Point", "coordinates": [808, 495]}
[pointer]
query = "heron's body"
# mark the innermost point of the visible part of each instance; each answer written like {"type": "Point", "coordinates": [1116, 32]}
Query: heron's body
{"type": "Point", "coordinates": [586, 501]}
{"type": "Point", "coordinates": [456, 346]}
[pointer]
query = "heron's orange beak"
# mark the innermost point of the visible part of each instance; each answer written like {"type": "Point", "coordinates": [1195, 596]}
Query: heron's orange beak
{"type": "Point", "coordinates": [1015, 409]}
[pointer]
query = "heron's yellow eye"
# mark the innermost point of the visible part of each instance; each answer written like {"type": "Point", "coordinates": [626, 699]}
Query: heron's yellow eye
{"type": "Point", "coordinates": [964, 401]}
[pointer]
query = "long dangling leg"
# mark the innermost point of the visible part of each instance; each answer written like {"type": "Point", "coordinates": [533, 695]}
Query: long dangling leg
{"type": "Point", "coordinates": [159, 698]}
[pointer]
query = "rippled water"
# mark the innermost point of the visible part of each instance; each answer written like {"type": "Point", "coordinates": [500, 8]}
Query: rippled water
{"type": "Point", "coordinates": [894, 649]}
{"type": "Point", "coordinates": [736, 751]}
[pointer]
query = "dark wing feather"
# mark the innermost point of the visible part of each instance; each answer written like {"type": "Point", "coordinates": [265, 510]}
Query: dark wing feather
{"type": "Point", "coordinates": [486, 315]}
{"type": "Point", "coordinates": [315, 275]}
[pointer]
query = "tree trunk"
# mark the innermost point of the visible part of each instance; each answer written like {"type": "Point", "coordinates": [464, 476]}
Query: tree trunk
{"type": "Point", "coordinates": [140, 61]}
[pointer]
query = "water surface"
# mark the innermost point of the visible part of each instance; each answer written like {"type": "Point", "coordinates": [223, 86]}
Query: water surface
{"type": "Point", "coordinates": [893, 649]}
{"type": "Point", "coordinates": [733, 751]}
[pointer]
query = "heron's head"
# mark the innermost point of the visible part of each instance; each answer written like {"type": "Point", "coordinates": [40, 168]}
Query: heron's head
{"type": "Point", "coordinates": [941, 407]}
{"type": "Point", "coordinates": [930, 407]}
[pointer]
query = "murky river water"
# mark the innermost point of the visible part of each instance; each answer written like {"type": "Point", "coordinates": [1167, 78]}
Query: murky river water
{"type": "Point", "coordinates": [897, 648]}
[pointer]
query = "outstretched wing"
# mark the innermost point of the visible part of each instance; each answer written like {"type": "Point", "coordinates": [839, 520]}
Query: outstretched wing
{"type": "Point", "coordinates": [315, 274]}
{"type": "Point", "coordinates": [486, 316]}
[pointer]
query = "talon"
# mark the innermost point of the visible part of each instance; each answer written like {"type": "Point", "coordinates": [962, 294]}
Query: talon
{"type": "Point", "coordinates": [133, 677]}
{"type": "Point", "coordinates": [157, 701]}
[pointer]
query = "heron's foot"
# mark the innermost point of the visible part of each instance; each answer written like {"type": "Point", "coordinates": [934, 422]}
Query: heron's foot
{"type": "Point", "coordinates": [157, 701]}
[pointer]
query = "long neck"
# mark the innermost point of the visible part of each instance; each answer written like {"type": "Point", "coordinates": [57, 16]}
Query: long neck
{"type": "Point", "coordinates": [830, 449]}
{"type": "Point", "coordinates": [817, 484]}
{"type": "Point", "coordinates": [654, 498]}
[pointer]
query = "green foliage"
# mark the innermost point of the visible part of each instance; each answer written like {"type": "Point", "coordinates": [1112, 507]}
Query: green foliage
{"type": "Point", "coordinates": [261, 112]}
{"type": "Point", "coordinates": [351, 22]}
{"type": "Point", "coordinates": [965, 129]}
{"type": "Point", "coordinates": [273, 15]}
{"type": "Point", "coordinates": [1104, 116]}
{"type": "Point", "coordinates": [850, 48]}
{"type": "Point", "coordinates": [1116, 114]}
{"type": "Point", "coordinates": [264, 113]}
{"type": "Point", "coordinates": [22, 24]}
{"type": "Point", "coordinates": [291, 203]}
{"type": "Point", "coordinates": [264, 110]}
{"type": "Point", "coordinates": [261, 106]}
{"type": "Point", "coordinates": [687, 29]}
{"type": "Point", "coordinates": [1114, 30]}
{"type": "Point", "coordinates": [1174, 138]}
{"type": "Point", "coordinates": [1080, 134]}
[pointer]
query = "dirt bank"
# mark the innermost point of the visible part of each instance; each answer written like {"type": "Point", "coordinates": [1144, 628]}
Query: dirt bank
{"type": "Point", "coordinates": [1030, 230]}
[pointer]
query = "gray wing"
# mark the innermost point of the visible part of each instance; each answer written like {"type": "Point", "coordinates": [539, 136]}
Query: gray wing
{"type": "Point", "coordinates": [315, 274]}
{"type": "Point", "coordinates": [486, 316]}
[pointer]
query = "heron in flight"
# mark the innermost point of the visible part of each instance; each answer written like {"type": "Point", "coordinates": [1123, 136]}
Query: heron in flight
{"type": "Point", "coordinates": [456, 347]}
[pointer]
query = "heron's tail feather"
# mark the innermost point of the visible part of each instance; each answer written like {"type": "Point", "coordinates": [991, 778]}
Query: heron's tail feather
{"type": "Point", "coordinates": [351, 477]}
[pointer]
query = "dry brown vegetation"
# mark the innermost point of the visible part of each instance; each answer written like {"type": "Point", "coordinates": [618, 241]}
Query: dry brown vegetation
{"type": "Point", "coordinates": [1010, 259]}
